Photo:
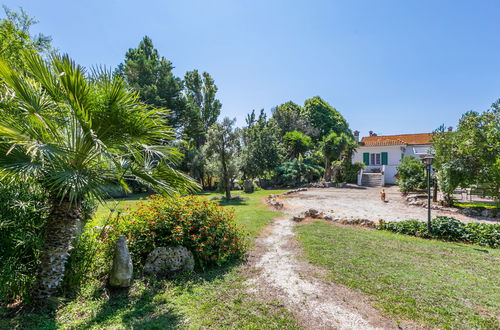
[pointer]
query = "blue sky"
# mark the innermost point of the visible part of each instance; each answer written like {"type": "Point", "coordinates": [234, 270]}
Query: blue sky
{"type": "Point", "coordinates": [388, 66]}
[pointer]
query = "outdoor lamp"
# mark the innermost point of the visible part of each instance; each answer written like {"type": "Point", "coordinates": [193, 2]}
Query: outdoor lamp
{"type": "Point", "coordinates": [427, 160]}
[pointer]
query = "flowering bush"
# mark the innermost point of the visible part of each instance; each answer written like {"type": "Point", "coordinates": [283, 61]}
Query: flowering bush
{"type": "Point", "coordinates": [202, 226]}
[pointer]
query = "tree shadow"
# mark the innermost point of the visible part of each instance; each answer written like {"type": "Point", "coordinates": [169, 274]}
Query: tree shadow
{"type": "Point", "coordinates": [232, 202]}
{"type": "Point", "coordinates": [149, 310]}
{"type": "Point", "coordinates": [141, 312]}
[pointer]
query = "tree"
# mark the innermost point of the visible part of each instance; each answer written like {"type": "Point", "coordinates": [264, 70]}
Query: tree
{"type": "Point", "coordinates": [74, 136]}
{"type": "Point", "coordinates": [288, 117]}
{"type": "Point", "coordinates": [471, 154]}
{"type": "Point", "coordinates": [411, 174]}
{"type": "Point", "coordinates": [203, 108]}
{"type": "Point", "coordinates": [296, 143]}
{"type": "Point", "coordinates": [15, 37]}
{"type": "Point", "coordinates": [324, 118]}
{"type": "Point", "coordinates": [151, 75]}
{"type": "Point", "coordinates": [223, 144]}
{"type": "Point", "coordinates": [333, 147]}
{"type": "Point", "coordinates": [261, 151]}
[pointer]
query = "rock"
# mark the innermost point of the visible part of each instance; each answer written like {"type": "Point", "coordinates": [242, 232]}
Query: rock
{"type": "Point", "coordinates": [122, 269]}
{"type": "Point", "coordinates": [298, 218]}
{"type": "Point", "coordinates": [294, 191]}
{"type": "Point", "coordinates": [274, 202]}
{"type": "Point", "coordinates": [328, 217]}
{"type": "Point", "coordinates": [248, 186]}
{"type": "Point", "coordinates": [313, 213]}
{"type": "Point", "coordinates": [165, 261]}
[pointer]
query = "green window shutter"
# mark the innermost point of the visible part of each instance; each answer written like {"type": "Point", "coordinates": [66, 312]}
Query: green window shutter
{"type": "Point", "coordinates": [366, 158]}
{"type": "Point", "coordinates": [384, 158]}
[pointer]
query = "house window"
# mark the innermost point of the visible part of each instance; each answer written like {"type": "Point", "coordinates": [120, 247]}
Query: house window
{"type": "Point", "coordinates": [375, 159]}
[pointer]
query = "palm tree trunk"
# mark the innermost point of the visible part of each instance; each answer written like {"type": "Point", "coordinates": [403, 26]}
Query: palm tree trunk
{"type": "Point", "coordinates": [62, 226]}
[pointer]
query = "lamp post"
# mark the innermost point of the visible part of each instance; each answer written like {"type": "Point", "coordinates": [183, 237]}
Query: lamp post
{"type": "Point", "coordinates": [427, 160]}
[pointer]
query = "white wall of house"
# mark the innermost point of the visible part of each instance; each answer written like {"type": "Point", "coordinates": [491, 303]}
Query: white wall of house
{"type": "Point", "coordinates": [394, 156]}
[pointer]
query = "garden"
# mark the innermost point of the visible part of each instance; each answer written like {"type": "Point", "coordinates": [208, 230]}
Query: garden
{"type": "Point", "coordinates": [127, 202]}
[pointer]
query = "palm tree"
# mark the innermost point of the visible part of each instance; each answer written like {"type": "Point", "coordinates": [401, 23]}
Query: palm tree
{"type": "Point", "coordinates": [74, 134]}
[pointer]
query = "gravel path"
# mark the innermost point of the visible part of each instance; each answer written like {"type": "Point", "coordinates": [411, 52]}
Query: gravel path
{"type": "Point", "coordinates": [365, 203]}
{"type": "Point", "coordinates": [277, 273]}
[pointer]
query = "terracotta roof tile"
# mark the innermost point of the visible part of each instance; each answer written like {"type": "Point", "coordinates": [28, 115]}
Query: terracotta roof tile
{"type": "Point", "coordinates": [394, 140]}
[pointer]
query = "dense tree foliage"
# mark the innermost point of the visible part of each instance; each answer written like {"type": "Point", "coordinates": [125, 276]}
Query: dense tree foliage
{"type": "Point", "coordinates": [471, 154]}
{"type": "Point", "coordinates": [335, 147]}
{"type": "Point", "coordinates": [15, 37]}
{"type": "Point", "coordinates": [296, 144]}
{"type": "Point", "coordinates": [202, 106]}
{"type": "Point", "coordinates": [261, 152]}
{"type": "Point", "coordinates": [324, 118]}
{"type": "Point", "coordinates": [151, 75]}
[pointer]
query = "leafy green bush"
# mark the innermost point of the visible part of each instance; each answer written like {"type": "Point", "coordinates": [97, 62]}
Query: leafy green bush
{"type": "Point", "coordinates": [350, 171]}
{"type": "Point", "coordinates": [411, 175]}
{"type": "Point", "coordinates": [22, 219]}
{"type": "Point", "coordinates": [88, 264]}
{"type": "Point", "coordinates": [298, 171]}
{"type": "Point", "coordinates": [450, 229]}
{"type": "Point", "coordinates": [202, 226]}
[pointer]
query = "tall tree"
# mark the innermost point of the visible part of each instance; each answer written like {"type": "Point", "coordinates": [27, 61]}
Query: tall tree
{"type": "Point", "coordinates": [324, 118]}
{"type": "Point", "coordinates": [261, 151]}
{"type": "Point", "coordinates": [223, 144]}
{"type": "Point", "coordinates": [15, 37]}
{"type": "Point", "coordinates": [74, 136]}
{"type": "Point", "coordinates": [151, 75]}
{"type": "Point", "coordinates": [288, 117]}
{"type": "Point", "coordinates": [203, 108]}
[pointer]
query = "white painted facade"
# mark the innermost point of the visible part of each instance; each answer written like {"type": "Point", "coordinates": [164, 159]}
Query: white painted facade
{"type": "Point", "coordinates": [395, 154]}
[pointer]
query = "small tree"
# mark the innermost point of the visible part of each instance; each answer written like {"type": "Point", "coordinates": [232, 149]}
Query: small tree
{"type": "Point", "coordinates": [411, 174]}
{"type": "Point", "coordinates": [223, 144]}
{"type": "Point", "coordinates": [335, 147]}
{"type": "Point", "coordinates": [296, 143]}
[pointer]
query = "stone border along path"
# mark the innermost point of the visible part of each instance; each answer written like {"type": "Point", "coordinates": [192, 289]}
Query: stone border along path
{"type": "Point", "coordinates": [276, 272]}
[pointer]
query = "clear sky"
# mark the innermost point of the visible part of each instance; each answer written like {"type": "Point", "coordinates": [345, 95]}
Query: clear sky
{"type": "Point", "coordinates": [388, 66]}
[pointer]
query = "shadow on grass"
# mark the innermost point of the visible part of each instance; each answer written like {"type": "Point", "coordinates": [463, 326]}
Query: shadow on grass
{"type": "Point", "coordinates": [149, 309]}
{"type": "Point", "coordinates": [141, 312]}
{"type": "Point", "coordinates": [232, 202]}
{"type": "Point", "coordinates": [144, 306]}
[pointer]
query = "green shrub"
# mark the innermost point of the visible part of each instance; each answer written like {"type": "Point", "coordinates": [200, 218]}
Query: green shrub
{"type": "Point", "coordinates": [88, 264]}
{"type": "Point", "coordinates": [22, 219]}
{"type": "Point", "coordinates": [449, 229]}
{"type": "Point", "coordinates": [483, 234]}
{"type": "Point", "coordinates": [202, 226]}
{"type": "Point", "coordinates": [411, 174]}
{"type": "Point", "coordinates": [298, 171]}
{"type": "Point", "coordinates": [408, 227]}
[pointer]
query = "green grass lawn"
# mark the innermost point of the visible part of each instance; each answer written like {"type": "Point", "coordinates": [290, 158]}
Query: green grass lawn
{"type": "Point", "coordinates": [216, 298]}
{"type": "Point", "coordinates": [435, 283]}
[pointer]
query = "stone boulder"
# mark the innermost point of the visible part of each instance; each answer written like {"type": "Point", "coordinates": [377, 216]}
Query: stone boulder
{"type": "Point", "coordinates": [248, 186]}
{"type": "Point", "coordinates": [122, 269]}
{"type": "Point", "coordinates": [165, 261]}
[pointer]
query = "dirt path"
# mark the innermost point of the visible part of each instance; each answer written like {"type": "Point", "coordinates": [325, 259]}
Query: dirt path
{"type": "Point", "coordinates": [276, 272]}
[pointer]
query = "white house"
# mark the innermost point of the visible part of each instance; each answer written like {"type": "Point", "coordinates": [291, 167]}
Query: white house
{"type": "Point", "coordinates": [381, 155]}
